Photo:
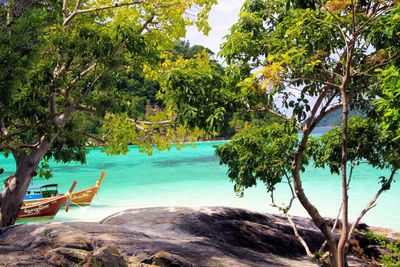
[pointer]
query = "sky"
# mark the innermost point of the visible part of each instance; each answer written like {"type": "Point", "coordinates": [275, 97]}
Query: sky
{"type": "Point", "coordinates": [222, 17]}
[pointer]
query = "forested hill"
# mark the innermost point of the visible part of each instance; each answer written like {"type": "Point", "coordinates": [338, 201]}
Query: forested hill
{"type": "Point", "coordinates": [335, 118]}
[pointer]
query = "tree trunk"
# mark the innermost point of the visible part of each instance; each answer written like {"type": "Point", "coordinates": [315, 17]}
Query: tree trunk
{"type": "Point", "coordinates": [11, 198]}
{"type": "Point", "coordinates": [345, 117]}
{"type": "Point", "coordinates": [345, 198]}
{"type": "Point", "coordinates": [13, 194]}
{"type": "Point", "coordinates": [312, 211]}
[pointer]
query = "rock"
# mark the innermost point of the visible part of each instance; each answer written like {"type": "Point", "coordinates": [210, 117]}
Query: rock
{"type": "Point", "coordinates": [107, 256]}
{"type": "Point", "coordinates": [375, 251]}
{"type": "Point", "coordinates": [165, 259]}
{"type": "Point", "coordinates": [215, 236]}
{"type": "Point", "coordinates": [73, 240]}
{"type": "Point", "coordinates": [65, 256]}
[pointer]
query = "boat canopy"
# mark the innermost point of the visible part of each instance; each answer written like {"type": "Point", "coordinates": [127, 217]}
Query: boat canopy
{"type": "Point", "coordinates": [38, 187]}
{"type": "Point", "coordinates": [49, 185]}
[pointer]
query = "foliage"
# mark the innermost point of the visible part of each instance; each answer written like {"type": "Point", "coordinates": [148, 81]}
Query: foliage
{"type": "Point", "coordinates": [192, 89]}
{"type": "Point", "coordinates": [389, 101]}
{"type": "Point", "coordinates": [259, 153]}
{"type": "Point", "coordinates": [299, 48]}
{"type": "Point", "coordinates": [392, 259]}
{"type": "Point", "coordinates": [91, 63]}
{"type": "Point", "coordinates": [366, 143]}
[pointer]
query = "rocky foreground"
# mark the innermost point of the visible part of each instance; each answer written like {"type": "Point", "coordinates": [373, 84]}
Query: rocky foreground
{"type": "Point", "coordinates": [163, 237]}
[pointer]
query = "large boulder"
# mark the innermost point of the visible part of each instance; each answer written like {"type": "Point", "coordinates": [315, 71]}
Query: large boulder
{"type": "Point", "coordinates": [182, 237]}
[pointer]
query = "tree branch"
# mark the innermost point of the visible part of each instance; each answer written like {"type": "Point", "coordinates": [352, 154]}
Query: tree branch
{"type": "Point", "coordinates": [312, 80]}
{"type": "Point", "coordinates": [97, 139]}
{"type": "Point", "coordinates": [133, 120]}
{"type": "Point", "coordinates": [11, 135]}
{"type": "Point", "coordinates": [138, 126]}
{"type": "Point", "coordinates": [87, 91]}
{"type": "Point", "coordinates": [85, 108]}
{"type": "Point", "coordinates": [77, 11]}
{"type": "Point", "coordinates": [3, 129]}
{"type": "Point", "coordinates": [323, 114]}
{"type": "Point", "coordinates": [154, 122]}
{"type": "Point", "coordinates": [146, 24]}
{"type": "Point", "coordinates": [385, 186]}
{"type": "Point", "coordinates": [292, 224]}
{"type": "Point", "coordinates": [78, 3]}
{"type": "Point", "coordinates": [30, 146]}
{"type": "Point", "coordinates": [374, 67]}
{"type": "Point", "coordinates": [84, 73]}
{"type": "Point", "coordinates": [64, 9]}
{"type": "Point", "coordinates": [52, 105]}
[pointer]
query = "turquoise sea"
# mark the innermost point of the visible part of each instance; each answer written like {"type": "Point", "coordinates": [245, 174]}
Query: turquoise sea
{"type": "Point", "coordinates": [193, 177]}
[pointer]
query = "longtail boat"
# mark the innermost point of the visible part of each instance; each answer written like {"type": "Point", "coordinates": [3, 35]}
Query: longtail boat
{"type": "Point", "coordinates": [37, 194]}
{"type": "Point", "coordinates": [85, 196]}
{"type": "Point", "coordinates": [48, 208]}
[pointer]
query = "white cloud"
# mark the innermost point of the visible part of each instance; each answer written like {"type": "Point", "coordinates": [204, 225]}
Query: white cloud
{"type": "Point", "coordinates": [222, 17]}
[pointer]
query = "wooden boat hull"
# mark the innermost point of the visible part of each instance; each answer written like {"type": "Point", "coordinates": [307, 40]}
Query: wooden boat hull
{"type": "Point", "coordinates": [84, 197]}
{"type": "Point", "coordinates": [48, 208]}
{"type": "Point", "coordinates": [44, 209]}
{"type": "Point", "coordinates": [79, 198]}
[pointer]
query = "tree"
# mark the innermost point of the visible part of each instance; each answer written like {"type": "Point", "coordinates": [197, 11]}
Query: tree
{"type": "Point", "coordinates": [368, 144]}
{"type": "Point", "coordinates": [60, 62]}
{"type": "Point", "coordinates": [316, 57]}
{"type": "Point", "coordinates": [200, 92]}
{"type": "Point", "coordinates": [187, 51]}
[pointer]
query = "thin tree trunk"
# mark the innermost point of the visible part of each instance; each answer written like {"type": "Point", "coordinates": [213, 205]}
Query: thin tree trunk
{"type": "Point", "coordinates": [345, 117]}
{"type": "Point", "coordinates": [345, 197]}
{"type": "Point", "coordinates": [312, 211]}
{"type": "Point", "coordinates": [341, 205]}
{"type": "Point", "coordinates": [321, 249]}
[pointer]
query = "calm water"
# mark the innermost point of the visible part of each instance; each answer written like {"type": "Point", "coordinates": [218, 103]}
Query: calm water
{"type": "Point", "coordinates": [193, 177]}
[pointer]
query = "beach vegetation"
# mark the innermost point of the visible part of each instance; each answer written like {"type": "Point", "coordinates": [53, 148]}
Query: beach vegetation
{"type": "Point", "coordinates": [391, 257]}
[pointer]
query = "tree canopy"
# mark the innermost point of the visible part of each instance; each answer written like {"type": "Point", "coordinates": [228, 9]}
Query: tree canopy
{"type": "Point", "coordinates": [61, 63]}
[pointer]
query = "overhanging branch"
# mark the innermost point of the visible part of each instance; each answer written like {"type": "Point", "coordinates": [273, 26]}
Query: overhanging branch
{"type": "Point", "coordinates": [77, 11]}
{"type": "Point", "coordinates": [97, 139]}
